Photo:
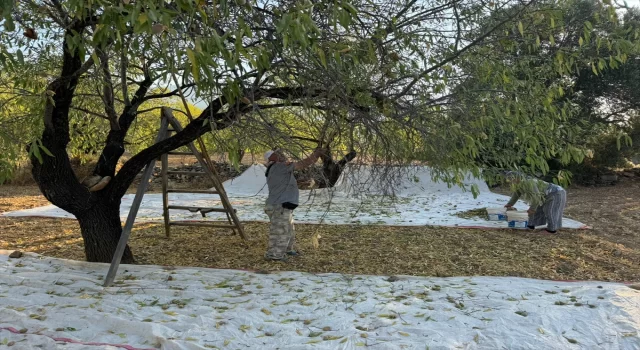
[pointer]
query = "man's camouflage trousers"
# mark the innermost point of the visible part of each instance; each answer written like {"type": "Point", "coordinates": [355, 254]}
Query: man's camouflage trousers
{"type": "Point", "coordinates": [282, 236]}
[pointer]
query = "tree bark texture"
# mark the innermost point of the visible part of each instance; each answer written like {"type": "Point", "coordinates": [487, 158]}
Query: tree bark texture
{"type": "Point", "coordinates": [101, 229]}
{"type": "Point", "coordinates": [331, 170]}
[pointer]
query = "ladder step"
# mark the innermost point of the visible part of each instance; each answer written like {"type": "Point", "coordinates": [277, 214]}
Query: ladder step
{"type": "Point", "coordinates": [192, 173]}
{"type": "Point", "coordinates": [198, 209]}
{"type": "Point", "coordinates": [202, 211]}
{"type": "Point", "coordinates": [181, 153]}
{"type": "Point", "coordinates": [193, 191]}
{"type": "Point", "coordinates": [207, 224]}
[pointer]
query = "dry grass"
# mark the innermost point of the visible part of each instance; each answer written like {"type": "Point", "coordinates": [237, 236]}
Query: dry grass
{"type": "Point", "coordinates": [609, 252]}
{"type": "Point", "coordinates": [20, 197]}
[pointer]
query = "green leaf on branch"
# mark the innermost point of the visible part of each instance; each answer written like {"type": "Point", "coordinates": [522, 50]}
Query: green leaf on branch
{"type": "Point", "coordinates": [323, 58]}
{"type": "Point", "coordinates": [9, 26]}
{"type": "Point", "coordinates": [20, 57]}
{"type": "Point", "coordinates": [195, 71]}
{"type": "Point", "coordinates": [521, 28]}
{"type": "Point", "coordinates": [349, 7]}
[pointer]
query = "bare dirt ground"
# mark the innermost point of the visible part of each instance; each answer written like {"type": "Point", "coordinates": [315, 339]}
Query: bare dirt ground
{"type": "Point", "coordinates": [610, 252]}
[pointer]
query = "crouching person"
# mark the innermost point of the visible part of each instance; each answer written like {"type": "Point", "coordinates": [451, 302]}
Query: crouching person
{"type": "Point", "coordinates": [547, 202]}
{"type": "Point", "coordinates": [282, 200]}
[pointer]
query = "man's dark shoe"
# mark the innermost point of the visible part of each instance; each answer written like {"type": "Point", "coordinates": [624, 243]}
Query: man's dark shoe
{"type": "Point", "coordinates": [282, 259]}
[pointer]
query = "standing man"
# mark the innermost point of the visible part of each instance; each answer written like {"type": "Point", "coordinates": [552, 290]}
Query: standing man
{"type": "Point", "coordinates": [283, 199]}
{"type": "Point", "coordinates": [546, 201]}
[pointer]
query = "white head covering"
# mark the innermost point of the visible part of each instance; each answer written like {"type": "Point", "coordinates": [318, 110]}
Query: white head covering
{"type": "Point", "coordinates": [267, 155]}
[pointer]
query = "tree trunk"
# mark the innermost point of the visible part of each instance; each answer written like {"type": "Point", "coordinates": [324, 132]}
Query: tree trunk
{"type": "Point", "coordinates": [331, 170]}
{"type": "Point", "coordinates": [101, 229]}
{"type": "Point", "coordinates": [240, 155]}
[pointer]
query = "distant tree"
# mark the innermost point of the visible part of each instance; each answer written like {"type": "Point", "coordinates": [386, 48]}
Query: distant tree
{"type": "Point", "coordinates": [595, 101]}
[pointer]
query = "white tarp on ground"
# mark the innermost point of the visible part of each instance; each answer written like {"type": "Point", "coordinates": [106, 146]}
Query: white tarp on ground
{"type": "Point", "coordinates": [48, 303]}
{"type": "Point", "coordinates": [358, 198]}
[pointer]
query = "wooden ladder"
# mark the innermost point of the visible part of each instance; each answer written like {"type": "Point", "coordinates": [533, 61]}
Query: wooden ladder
{"type": "Point", "coordinates": [232, 222]}
{"type": "Point", "coordinates": [167, 119]}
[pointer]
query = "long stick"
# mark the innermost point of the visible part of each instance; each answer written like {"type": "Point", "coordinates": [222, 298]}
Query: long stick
{"type": "Point", "coordinates": [126, 231]}
{"type": "Point", "coordinates": [165, 195]}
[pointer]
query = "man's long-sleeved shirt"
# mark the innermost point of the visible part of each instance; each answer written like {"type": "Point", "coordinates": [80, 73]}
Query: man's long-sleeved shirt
{"type": "Point", "coordinates": [534, 199]}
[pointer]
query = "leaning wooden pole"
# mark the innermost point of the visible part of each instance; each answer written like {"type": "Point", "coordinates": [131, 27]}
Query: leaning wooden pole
{"type": "Point", "coordinates": [126, 231]}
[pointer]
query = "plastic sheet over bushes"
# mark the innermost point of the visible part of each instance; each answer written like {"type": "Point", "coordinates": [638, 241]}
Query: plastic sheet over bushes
{"type": "Point", "coordinates": [359, 197]}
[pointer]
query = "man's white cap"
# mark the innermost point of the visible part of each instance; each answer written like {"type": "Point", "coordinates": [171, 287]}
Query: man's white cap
{"type": "Point", "coordinates": [267, 155]}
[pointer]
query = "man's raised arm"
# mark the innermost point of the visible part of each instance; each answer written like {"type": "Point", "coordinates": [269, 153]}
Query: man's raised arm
{"type": "Point", "coordinates": [312, 159]}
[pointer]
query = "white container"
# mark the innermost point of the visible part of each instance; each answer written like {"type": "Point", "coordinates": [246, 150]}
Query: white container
{"type": "Point", "coordinates": [497, 214]}
{"type": "Point", "coordinates": [518, 219]}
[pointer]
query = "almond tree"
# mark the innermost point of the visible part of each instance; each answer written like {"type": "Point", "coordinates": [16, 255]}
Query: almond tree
{"type": "Point", "coordinates": [384, 69]}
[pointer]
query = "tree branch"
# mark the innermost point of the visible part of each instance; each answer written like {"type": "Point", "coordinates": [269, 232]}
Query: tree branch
{"type": "Point", "coordinates": [198, 127]}
{"type": "Point", "coordinates": [301, 138]}
{"type": "Point", "coordinates": [458, 30]}
{"type": "Point", "coordinates": [56, 116]}
{"type": "Point", "coordinates": [169, 94]}
{"type": "Point", "coordinates": [457, 54]}
{"type": "Point", "coordinates": [84, 110]}
{"type": "Point", "coordinates": [114, 145]}
{"type": "Point", "coordinates": [63, 15]}
{"type": "Point", "coordinates": [148, 110]}
{"type": "Point", "coordinates": [107, 90]}
{"type": "Point", "coordinates": [119, 185]}
{"type": "Point", "coordinates": [67, 194]}
{"type": "Point", "coordinates": [123, 74]}
{"type": "Point", "coordinates": [61, 21]}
